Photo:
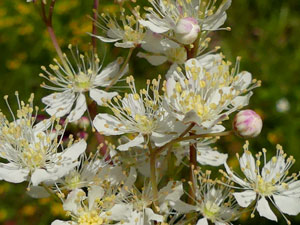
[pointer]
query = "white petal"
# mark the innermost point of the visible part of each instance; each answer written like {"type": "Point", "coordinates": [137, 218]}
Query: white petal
{"type": "Point", "coordinates": [97, 95]}
{"type": "Point", "coordinates": [234, 177]}
{"type": "Point", "coordinates": [74, 151]}
{"type": "Point", "coordinates": [292, 191]}
{"type": "Point", "coordinates": [11, 173]}
{"type": "Point", "coordinates": [120, 212]}
{"type": "Point", "coordinates": [208, 156]}
{"type": "Point", "coordinates": [42, 126]}
{"type": "Point", "coordinates": [129, 181]}
{"type": "Point", "coordinates": [128, 44]}
{"type": "Point", "coordinates": [245, 198]}
{"type": "Point", "coordinates": [105, 39]}
{"type": "Point", "coordinates": [183, 207]}
{"type": "Point", "coordinates": [192, 117]}
{"type": "Point", "coordinates": [59, 104]}
{"type": "Point", "coordinates": [241, 101]}
{"type": "Point", "coordinates": [94, 193]}
{"type": "Point", "coordinates": [244, 79]}
{"type": "Point", "coordinates": [150, 215]}
{"type": "Point", "coordinates": [202, 221]}
{"type": "Point", "coordinates": [248, 166]}
{"type": "Point", "coordinates": [169, 194]}
{"type": "Point", "coordinates": [135, 142]}
{"type": "Point", "coordinates": [107, 124]}
{"type": "Point", "coordinates": [56, 172]}
{"type": "Point", "coordinates": [288, 205]}
{"type": "Point", "coordinates": [154, 60]}
{"type": "Point", "coordinates": [79, 109]}
{"type": "Point", "coordinates": [109, 73]}
{"type": "Point", "coordinates": [38, 192]}
{"type": "Point", "coordinates": [160, 139]}
{"type": "Point", "coordinates": [60, 222]}
{"type": "Point", "coordinates": [71, 203]}
{"type": "Point", "coordinates": [264, 209]}
{"type": "Point", "coordinates": [161, 28]}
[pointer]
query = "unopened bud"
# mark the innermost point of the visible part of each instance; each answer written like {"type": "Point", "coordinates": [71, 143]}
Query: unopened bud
{"type": "Point", "coordinates": [247, 124]}
{"type": "Point", "coordinates": [84, 122]}
{"type": "Point", "coordinates": [186, 30]}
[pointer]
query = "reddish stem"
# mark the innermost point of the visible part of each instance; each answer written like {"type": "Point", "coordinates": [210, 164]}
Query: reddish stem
{"type": "Point", "coordinates": [94, 31]}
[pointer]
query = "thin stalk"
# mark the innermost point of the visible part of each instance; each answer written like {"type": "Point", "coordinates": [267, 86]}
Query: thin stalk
{"type": "Point", "coordinates": [94, 29]}
{"type": "Point", "coordinates": [192, 137]}
{"type": "Point", "coordinates": [153, 179]}
{"type": "Point", "coordinates": [47, 19]}
{"type": "Point", "coordinates": [121, 70]}
{"type": "Point", "coordinates": [50, 191]}
{"type": "Point", "coordinates": [192, 165]}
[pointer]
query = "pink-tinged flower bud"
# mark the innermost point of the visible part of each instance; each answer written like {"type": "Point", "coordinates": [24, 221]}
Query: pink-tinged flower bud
{"type": "Point", "coordinates": [84, 122]}
{"type": "Point", "coordinates": [186, 30]}
{"type": "Point", "coordinates": [83, 135]}
{"type": "Point", "coordinates": [247, 124]}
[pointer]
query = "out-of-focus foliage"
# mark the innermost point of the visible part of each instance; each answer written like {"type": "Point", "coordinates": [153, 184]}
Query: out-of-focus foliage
{"type": "Point", "coordinates": [264, 33]}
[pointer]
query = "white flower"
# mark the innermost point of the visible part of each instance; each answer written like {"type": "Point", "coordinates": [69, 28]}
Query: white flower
{"type": "Point", "coordinates": [91, 171]}
{"type": "Point", "coordinates": [103, 204]}
{"type": "Point", "coordinates": [167, 14]}
{"type": "Point", "coordinates": [71, 82]}
{"type": "Point", "coordinates": [32, 149]}
{"type": "Point", "coordinates": [140, 113]}
{"type": "Point", "coordinates": [142, 213]}
{"type": "Point", "coordinates": [269, 183]}
{"type": "Point", "coordinates": [212, 200]}
{"type": "Point", "coordinates": [207, 91]}
{"type": "Point", "coordinates": [162, 50]}
{"type": "Point", "coordinates": [129, 34]}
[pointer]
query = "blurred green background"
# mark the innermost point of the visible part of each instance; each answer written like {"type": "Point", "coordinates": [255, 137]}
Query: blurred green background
{"type": "Point", "coordinates": [265, 33]}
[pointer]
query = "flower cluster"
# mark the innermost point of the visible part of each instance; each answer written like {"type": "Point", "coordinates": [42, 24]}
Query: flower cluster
{"type": "Point", "coordinates": [157, 134]}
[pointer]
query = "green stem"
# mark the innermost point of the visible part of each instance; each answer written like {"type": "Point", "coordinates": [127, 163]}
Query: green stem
{"type": "Point", "coordinates": [121, 70]}
{"type": "Point", "coordinates": [153, 179]}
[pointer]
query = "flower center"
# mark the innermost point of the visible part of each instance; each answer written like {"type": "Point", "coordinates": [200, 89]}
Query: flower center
{"type": "Point", "coordinates": [73, 180]}
{"type": "Point", "coordinates": [210, 210]}
{"type": "Point", "coordinates": [265, 188]}
{"type": "Point", "coordinates": [132, 35]}
{"type": "Point", "coordinates": [90, 218]}
{"type": "Point", "coordinates": [144, 124]}
{"type": "Point", "coordinates": [177, 55]}
{"type": "Point", "coordinates": [191, 101]}
{"type": "Point", "coordinates": [33, 158]}
{"type": "Point", "coordinates": [82, 82]}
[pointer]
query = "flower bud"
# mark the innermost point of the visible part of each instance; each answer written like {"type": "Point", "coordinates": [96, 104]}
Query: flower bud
{"type": "Point", "coordinates": [186, 30]}
{"type": "Point", "coordinates": [247, 124]}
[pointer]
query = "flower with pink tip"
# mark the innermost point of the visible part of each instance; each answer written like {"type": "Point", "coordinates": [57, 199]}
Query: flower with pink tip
{"type": "Point", "coordinates": [186, 30]}
{"type": "Point", "coordinates": [247, 124]}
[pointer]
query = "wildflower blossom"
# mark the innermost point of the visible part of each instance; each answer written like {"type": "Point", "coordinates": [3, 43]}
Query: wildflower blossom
{"type": "Point", "coordinates": [32, 150]}
{"type": "Point", "coordinates": [206, 155]}
{"type": "Point", "coordinates": [71, 82]}
{"type": "Point", "coordinates": [103, 204]}
{"type": "Point", "coordinates": [140, 113]}
{"type": "Point", "coordinates": [213, 201]}
{"type": "Point", "coordinates": [207, 91]}
{"type": "Point", "coordinates": [91, 171]}
{"type": "Point", "coordinates": [269, 183]}
{"type": "Point", "coordinates": [162, 50]}
{"type": "Point", "coordinates": [129, 34]}
{"type": "Point", "coordinates": [185, 18]}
